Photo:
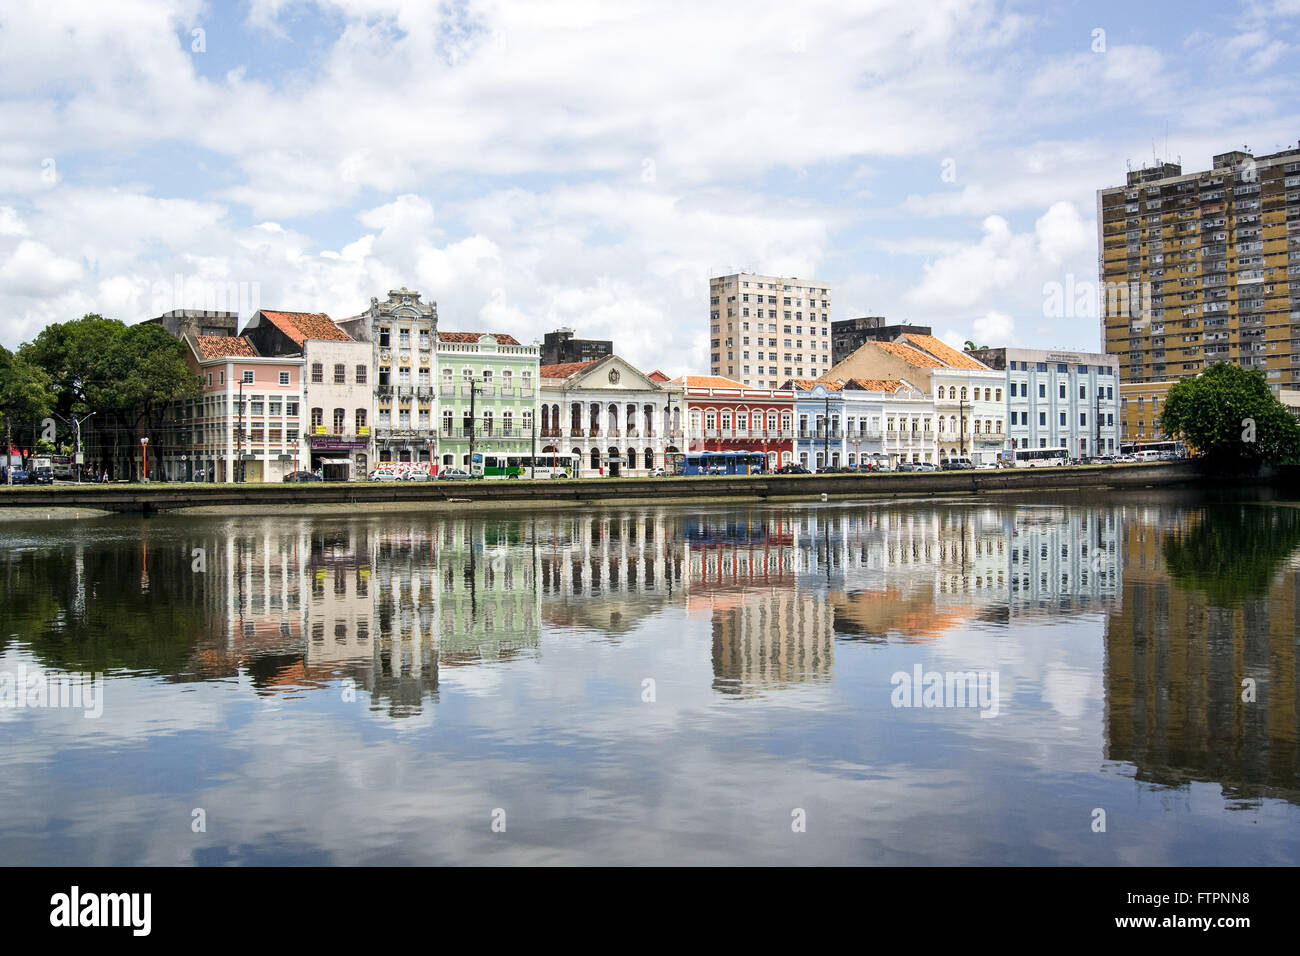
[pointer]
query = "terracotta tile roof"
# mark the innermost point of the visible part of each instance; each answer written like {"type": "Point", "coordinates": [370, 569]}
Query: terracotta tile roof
{"type": "Point", "coordinates": [709, 381]}
{"type": "Point", "coordinates": [220, 346]}
{"type": "Point", "coordinates": [657, 376]}
{"type": "Point", "coordinates": [564, 369]}
{"type": "Point", "coordinates": [911, 356]}
{"type": "Point", "coordinates": [944, 352]}
{"type": "Point", "coordinates": [877, 384]}
{"type": "Point", "coordinates": [471, 338]}
{"type": "Point", "coordinates": [807, 384]}
{"type": "Point", "coordinates": [301, 326]}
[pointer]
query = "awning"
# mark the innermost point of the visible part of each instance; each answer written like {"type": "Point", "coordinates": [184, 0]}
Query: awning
{"type": "Point", "coordinates": [335, 461]}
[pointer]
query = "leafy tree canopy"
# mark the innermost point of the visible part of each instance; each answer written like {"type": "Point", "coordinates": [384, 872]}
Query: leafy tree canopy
{"type": "Point", "coordinates": [1228, 414]}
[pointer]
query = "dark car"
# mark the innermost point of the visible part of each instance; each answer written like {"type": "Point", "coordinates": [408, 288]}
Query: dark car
{"type": "Point", "coordinates": [905, 466]}
{"type": "Point", "coordinates": [792, 469]}
{"type": "Point", "coordinates": [297, 476]}
{"type": "Point", "coordinates": [453, 474]}
{"type": "Point", "coordinates": [955, 464]}
{"type": "Point", "coordinates": [40, 476]}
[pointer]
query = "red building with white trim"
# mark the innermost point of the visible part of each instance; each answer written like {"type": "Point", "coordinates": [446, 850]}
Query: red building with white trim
{"type": "Point", "coordinates": [724, 415]}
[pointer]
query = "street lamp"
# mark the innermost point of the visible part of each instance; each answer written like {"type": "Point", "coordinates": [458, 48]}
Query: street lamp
{"type": "Point", "coordinates": [144, 450]}
{"type": "Point", "coordinates": [76, 424]}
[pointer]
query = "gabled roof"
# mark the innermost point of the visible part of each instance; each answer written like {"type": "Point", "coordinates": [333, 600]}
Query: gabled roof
{"type": "Point", "coordinates": [564, 369]}
{"type": "Point", "coordinates": [657, 376]}
{"type": "Point", "coordinates": [808, 384]}
{"type": "Point", "coordinates": [709, 381]}
{"type": "Point", "coordinates": [471, 338]}
{"type": "Point", "coordinates": [911, 356]}
{"type": "Point", "coordinates": [301, 326]}
{"type": "Point", "coordinates": [221, 346]}
{"type": "Point", "coordinates": [876, 384]}
{"type": "Point", "coordinates": [944, 352]}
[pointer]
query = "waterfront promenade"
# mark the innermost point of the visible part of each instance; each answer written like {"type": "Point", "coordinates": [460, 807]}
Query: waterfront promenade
{"type": "Point", "coordinates": [158, 497]}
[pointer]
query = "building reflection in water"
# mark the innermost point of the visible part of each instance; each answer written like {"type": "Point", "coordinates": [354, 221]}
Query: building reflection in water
{"type": "Point", "coordinates": [1211, 610]}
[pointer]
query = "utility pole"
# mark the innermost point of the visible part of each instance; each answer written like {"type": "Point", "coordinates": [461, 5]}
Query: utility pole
{"type": "Point", "coordinates": [239, 437]}
{"type": "Point", "coordinates": [961, 424]}
{"type": "Point", "coordinates": [473, 390]}
{"type": "Point", "coordinates": [826, 434]}
{"type": "Point", "coordinates": [76, 424]}
{"type": "Point", "coordinates": [532, 462]}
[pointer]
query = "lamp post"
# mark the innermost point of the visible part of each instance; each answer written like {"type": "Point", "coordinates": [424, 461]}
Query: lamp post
{"type": "Point", "coordinates": [76, 424]}
{"type": "Point", "coordinates": [144, 450]}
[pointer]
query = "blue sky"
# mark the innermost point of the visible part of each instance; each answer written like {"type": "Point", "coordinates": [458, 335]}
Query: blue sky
{"type": "Point", "coordinates": [591, 164]}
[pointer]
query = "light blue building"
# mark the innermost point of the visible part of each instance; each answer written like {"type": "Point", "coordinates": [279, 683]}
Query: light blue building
{"type": "Point", "coordinates": [1060, 399]}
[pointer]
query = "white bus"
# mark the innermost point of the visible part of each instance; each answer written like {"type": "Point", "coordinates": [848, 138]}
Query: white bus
{"type": "Point", "coordinates": [511, 465]}
{"type": "Point", "coordinates": [1038, 457]}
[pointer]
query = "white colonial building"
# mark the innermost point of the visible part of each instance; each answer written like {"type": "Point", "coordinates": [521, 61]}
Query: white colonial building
{"type": "Point", "coordinates": [612, 417]}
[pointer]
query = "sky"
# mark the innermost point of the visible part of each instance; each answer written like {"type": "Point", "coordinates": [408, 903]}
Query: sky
{"type": "Point", "coordinates": [587, 164]}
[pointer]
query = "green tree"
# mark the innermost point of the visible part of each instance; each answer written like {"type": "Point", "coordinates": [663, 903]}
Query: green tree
{"type": "Point", "coordinates": [1228, 414]}
{"type": "Point", "coordinates": [126, 374]}
{"type": "Point", "coordinates": [25, 393]}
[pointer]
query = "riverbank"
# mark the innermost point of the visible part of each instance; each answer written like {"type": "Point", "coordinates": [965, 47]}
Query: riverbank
{"type": "Point", "coordinates": [405, 496]}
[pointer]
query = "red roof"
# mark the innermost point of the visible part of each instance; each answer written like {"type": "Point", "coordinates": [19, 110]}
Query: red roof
{"type": "Point", "coordinates": [221, 346]}
{"type": "Point", "coordinates": [563, 370]}
{"type": "Point", "coordinates": [301, 326]}
{"type": "Point", "coordinates": [914, 357]}
{"type": "Point", "coordinates": [472, 338]}
{"type": "Point", "coordinates": [709, 381]}
{"type": "Point", "coordinates": [657, 376]}
{"type": "Point", "coordinates": [877, 384]}
{"type": "Point", "coordinates": [944, 352]}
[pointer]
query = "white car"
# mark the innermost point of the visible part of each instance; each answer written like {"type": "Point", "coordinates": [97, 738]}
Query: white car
{"type": "Point", "coordinates": [416, 476]}
{"type": "Point", "coordinates": [384, 476]}
{"type": "Point", "coordinates": [658, 473]}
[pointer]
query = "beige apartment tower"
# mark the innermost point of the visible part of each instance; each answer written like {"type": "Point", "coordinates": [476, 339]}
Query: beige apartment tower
{"type": "Point", "coordinates": [1202, 267]}
{"type": "Point", "coordinates": [764, 330]}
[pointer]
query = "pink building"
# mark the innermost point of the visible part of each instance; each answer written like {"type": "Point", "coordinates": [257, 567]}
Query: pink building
{"type": "Point", "coordinates": [246, 425]}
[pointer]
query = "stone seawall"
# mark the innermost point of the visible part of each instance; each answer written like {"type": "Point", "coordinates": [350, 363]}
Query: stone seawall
{"type": "Point", "coordinates": [151, 498]}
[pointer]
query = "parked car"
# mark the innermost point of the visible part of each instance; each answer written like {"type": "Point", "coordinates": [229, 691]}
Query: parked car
{"type": "Point", "coordinates": [955, 464]}
{"type": "Point", "coordinates": [417, 476]}
{"type": "Point", "coordinates": [987, 466]}
{"type": "Point", "coordinates": [453, 474]}
{"type": "Point", "coordinates": [384, 476]}
{"type": "Point", "coordinates": [297, 476]}
{"type": "Point", "coordinates": [18, 476]}
{"type": "Point", "coordinates": [1127, 458]}
{"type": "Point", "coordinates": [658, 473]}
{"type": "Point", "coordinates": [41, 476]}
{"type": "Point", "coordinates": [926, 466]}
{"type": "Point", "coordinates": [793, 468]}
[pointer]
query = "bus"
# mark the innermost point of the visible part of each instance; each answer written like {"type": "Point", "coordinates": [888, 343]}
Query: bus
{"type": "Point", "coordinates": [1154, 450]}
{"type": "Point", "coordinates": [511, 465]}
{"type": "Point", "coordinates": [718, 463]}
{"type": "Point", "coordinates": [1036, 457]}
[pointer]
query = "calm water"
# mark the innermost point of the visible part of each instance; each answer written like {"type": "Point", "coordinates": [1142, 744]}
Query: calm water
{"type": "Point", "coordinates": [658, 685]}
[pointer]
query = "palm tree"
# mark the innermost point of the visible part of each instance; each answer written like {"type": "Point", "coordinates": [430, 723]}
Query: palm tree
{"type": "Point", "coordinates": [971, 347]}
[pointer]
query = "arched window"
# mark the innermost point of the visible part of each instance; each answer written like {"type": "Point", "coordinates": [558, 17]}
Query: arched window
{"type": "Point", "coordinates": [963, 393]}
{"type": "Point", "coordinates": [997, 394]}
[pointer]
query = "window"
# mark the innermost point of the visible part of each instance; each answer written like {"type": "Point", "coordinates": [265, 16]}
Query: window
{"type": "Point", "coordinates": [340, 374]}
{"type": "Point", "coordinates": [1062, 390]}
{"type": "Point", "coordinates": [384, 334]}
{"type": "Point", "coordinates": [1042, 389]}
{"type": "Point", "coordinates": [361, 421]}
{"type": "Point", "coordinates": [317, 373]}
{"type": "Point", "coordinates": [248, 377]}
{"type": "Point", "coordinates": [361, 375]}
{"type": "Point", "coordinates": [339, 417]}
{"type": "Point", "coordinates": [284, 378]}
{"type": "Point", "coordinates": [317, 419]}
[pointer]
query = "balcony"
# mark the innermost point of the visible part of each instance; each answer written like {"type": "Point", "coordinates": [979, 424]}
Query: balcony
{"type": "Point", "coordinates": [384, 391]}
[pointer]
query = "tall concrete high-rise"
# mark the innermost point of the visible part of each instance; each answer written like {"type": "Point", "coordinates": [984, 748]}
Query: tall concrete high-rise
{"type": "Point", "coordinates": [1198, 268]}
{"type": "Point", "coordinates": [764, 330]}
